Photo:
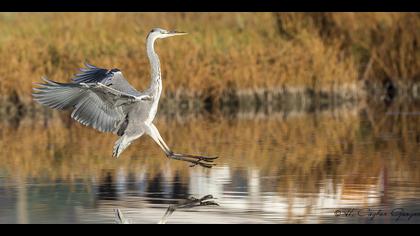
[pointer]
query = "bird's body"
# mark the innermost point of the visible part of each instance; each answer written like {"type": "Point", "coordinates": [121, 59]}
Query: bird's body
{"type": "Point", "coordinates": [103, 99]}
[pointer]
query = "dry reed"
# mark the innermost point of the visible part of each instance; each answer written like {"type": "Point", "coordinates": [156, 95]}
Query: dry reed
{"type": "Point", "coordinates": [241, 51]}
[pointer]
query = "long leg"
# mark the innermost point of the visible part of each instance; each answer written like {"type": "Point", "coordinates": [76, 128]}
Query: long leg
{"type": "Point", "coordinates": [205, 161]}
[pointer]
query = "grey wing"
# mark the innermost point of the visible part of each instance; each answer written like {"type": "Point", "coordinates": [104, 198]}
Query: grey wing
{"type": "Point", "coordinates": [112, 78]}
{"type": "Point", "coordinates": [96, 111]}
{"type": "Point", "coordinates": [95, 104]}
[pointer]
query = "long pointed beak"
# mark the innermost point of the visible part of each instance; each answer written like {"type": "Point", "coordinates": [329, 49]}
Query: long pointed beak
{"type": "Point", "coordinates": [175, 33]}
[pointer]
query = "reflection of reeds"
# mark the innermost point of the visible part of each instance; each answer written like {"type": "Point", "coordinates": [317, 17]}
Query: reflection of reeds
{"type": "Point", "coordinates": [320, 52]}
{"type": "Point", "coordinates": [347, 147]}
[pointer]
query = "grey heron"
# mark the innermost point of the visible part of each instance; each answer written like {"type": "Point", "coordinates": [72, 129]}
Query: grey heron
{"type": "Point", "coordinates": [103, 99]}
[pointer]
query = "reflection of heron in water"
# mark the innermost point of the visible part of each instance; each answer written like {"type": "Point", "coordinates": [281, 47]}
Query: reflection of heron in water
{"type": "Point", "coordinates": [188, 203]}
{"type": "Point", "coordinates": [120, 218]}
{"type": "Point", "coordinates": [103, 99]}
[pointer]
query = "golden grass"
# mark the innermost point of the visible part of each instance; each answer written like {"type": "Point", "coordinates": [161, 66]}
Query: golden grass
{"type": "Point", "coordinates": [223, 50]}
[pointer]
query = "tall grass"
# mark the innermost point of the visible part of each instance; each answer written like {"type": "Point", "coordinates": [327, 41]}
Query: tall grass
{"type": "Point", "coordinates": [241, 51]}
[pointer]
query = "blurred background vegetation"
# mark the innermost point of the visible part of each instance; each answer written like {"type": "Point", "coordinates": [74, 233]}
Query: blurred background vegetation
{"type": "Point", "coordinates": [225, 57]}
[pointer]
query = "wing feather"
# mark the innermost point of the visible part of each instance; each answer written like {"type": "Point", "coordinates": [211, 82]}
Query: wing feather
{"type": "Point", "coordinates": [98, 97]}
{"type": "Point", "coordinates": [90, 74]}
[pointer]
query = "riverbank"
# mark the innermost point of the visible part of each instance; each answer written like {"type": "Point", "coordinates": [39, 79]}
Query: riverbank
{"type": "Point", "coordinates": [232, 102]}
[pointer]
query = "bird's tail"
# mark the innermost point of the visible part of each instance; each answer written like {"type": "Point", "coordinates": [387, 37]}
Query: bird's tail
{"type": "Point", "coordinates": [124, 141]}
{"type": "Point", "coordinates": [57, 95]}
{"type": "Point", "coordinates": [119, 146]}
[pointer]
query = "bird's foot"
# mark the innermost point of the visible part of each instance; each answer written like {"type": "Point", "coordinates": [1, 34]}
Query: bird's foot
{"type": "Point", "coordinates": [204, 161]}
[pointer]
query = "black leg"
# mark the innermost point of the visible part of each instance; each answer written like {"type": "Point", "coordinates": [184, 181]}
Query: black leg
{"type": "Point", "coordinates": [204, 161]}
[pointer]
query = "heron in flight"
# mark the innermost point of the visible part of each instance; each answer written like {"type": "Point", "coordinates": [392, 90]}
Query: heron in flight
{"type": "Point", "coordinates": [103, 99]}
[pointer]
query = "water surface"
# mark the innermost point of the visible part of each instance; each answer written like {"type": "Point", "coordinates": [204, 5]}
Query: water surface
{"type": "Point", "coordinates": [343, 165]}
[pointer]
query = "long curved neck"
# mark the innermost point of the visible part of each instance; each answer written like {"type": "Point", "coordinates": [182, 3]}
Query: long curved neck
{"type": "Point", "coordinates": [156, 82]}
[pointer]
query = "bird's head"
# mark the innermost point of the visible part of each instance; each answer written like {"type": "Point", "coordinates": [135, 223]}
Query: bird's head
{"type": "Point", "coordinates": [159, 33]}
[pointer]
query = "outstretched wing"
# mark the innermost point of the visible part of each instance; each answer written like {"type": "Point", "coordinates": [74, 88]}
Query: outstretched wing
{"type": "Point", "coordinates": [112, 78]}
{"type": "Point", "coordinates": [98, 97]}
